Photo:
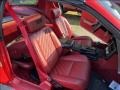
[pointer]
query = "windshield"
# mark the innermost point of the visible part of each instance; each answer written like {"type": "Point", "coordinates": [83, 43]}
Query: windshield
{"type": "Point", "coordinates": [22, 2]}
{"type": "Point", "coordinates": [112, 7]}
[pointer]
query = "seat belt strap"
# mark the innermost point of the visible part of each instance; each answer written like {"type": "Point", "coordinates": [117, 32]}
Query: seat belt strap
{"type": "Point", "coordinates": [42, 75]}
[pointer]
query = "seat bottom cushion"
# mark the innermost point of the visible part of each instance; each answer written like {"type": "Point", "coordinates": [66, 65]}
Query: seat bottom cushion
{"type": "Point", "coordinates": [72, 71]}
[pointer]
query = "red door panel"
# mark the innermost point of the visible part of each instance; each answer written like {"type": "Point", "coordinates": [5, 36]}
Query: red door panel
{"type": "Point", "coordinates": [102, 66]}
{"type": "Point", "coordinates": [91, 24]}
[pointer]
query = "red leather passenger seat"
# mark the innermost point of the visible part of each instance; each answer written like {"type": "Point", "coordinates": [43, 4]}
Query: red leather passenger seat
{"type": "Point", "coordinates": [71, 71]}
{"type": "Point", "coordinates": [64, 29]}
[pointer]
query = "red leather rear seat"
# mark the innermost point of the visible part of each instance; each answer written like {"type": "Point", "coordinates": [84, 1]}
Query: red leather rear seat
{"type": "Point", "coordinates": [18, 51]}
{"type": "Point", "coordinates": [64, 29]}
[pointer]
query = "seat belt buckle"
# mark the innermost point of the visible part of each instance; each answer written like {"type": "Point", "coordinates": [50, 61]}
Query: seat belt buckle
{"type": "Point", "coordinates": [54, 83]}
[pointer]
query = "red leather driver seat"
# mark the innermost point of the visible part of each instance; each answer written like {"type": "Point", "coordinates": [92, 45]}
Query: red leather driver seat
{"type": "Point", "coordinates": [64, 29]}
{"type": "Point", "coordinates": [71, 71]}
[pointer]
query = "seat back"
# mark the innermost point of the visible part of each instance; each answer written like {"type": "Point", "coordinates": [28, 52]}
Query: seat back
{"type": "Point", "coordinates": [44, 41]}
{"type": "Point", "coordinates": [63, 27]}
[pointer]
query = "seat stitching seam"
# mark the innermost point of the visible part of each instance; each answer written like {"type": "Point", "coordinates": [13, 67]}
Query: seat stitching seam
{"type": "Point", "coordinates": [70, 68]}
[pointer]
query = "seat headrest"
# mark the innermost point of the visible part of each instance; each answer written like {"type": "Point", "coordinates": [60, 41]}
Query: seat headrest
{"type": "Point", "coordinates": [57, 12]}
{"type": "Point", "coordinates": [34, 22]}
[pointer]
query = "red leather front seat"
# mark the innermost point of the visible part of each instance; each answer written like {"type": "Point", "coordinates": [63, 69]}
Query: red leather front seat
{"type": "Point", "coordinates": [64, 29]}
{"type": "Point", "coordinates": [71, 71]}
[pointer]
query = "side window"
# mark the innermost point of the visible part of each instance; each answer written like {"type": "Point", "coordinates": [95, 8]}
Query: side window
{"type": "Point", "coordinates": [23, 2]}
{"type": "Point", "coordinates": [112, 7]}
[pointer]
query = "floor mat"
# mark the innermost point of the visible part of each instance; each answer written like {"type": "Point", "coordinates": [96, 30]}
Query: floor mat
{"type": "Point", "coordinates": [97, 83]}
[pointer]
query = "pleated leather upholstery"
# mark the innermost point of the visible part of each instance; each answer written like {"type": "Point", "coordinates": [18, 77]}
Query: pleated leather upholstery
{"type": "Point", "coordinates": [47, 50]}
